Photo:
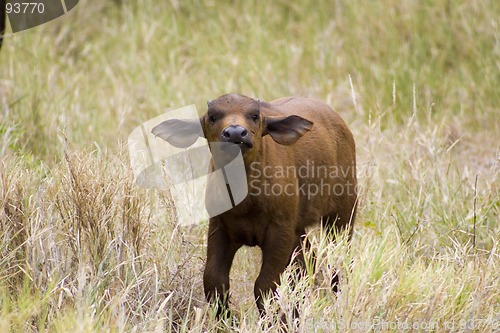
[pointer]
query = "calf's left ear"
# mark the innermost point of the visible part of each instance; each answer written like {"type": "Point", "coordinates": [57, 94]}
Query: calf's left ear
{"type": "Point", "coordinates": [286, 130]}
{"type": "Point", "coordinates": [180, 133]}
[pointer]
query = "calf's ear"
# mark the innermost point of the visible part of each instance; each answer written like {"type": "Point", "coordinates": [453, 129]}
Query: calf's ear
{"type": "Point", "coordinates": [180, 133]}
{"type": "Point", "coordinates": [286, 130]}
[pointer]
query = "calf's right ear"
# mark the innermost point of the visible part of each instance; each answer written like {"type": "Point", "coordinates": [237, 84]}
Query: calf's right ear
{"type": "Point", "coordinates": [180, 133]}
{"type": "Point", "coordinates": [286, 130]}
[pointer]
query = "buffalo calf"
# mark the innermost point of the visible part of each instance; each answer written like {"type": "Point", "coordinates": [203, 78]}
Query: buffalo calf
{"type": "Point", "coordinates": [300, 165]}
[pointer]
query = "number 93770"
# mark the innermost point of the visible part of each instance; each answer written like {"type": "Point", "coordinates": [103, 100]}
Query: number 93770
{"type": "Point", "coordinates": [24, 8]}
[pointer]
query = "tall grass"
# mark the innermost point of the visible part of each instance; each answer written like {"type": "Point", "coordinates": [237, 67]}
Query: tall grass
{"type": "Point", "coordinates": [83, 249]}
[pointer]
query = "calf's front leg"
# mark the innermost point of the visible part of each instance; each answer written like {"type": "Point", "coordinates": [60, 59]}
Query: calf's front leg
{"type": "Point", "coordinates": [220, 255]}
{"type": "Point", "coordinates": [276, 251]}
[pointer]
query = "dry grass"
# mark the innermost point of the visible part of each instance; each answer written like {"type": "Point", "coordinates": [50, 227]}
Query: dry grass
{"type": "Point", "coordinates": [83, 249]}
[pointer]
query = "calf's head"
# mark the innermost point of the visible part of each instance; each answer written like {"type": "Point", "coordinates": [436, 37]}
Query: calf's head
{"type": "Point", "coordinates": [235, 121]}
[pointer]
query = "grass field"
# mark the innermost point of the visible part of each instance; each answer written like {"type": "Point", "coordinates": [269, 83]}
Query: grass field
{"type": "Point", "coordinates": [83, 249]}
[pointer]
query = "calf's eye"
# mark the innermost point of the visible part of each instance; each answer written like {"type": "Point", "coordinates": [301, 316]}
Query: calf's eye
{"type": "Point", "coordinates": [255, 117]}
{"type": "Point", "coordinates": [212, 119]}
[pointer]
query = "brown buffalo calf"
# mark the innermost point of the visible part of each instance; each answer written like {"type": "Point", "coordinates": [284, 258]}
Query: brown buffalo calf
{"type": "Point", "coordinates": [300, 163]}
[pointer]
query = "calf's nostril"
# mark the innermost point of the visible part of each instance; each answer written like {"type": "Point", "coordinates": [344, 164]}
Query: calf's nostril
{"type": "Point", "coordinates": [244, 133]}
{"type": "Point", "coordinates": [226, 134]}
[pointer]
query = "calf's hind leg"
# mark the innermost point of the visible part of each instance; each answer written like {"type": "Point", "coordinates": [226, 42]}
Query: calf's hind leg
{"type": "Point", "coordinates": [336, 223]}
{"type": "Point", "coordinates": [301, 246]}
